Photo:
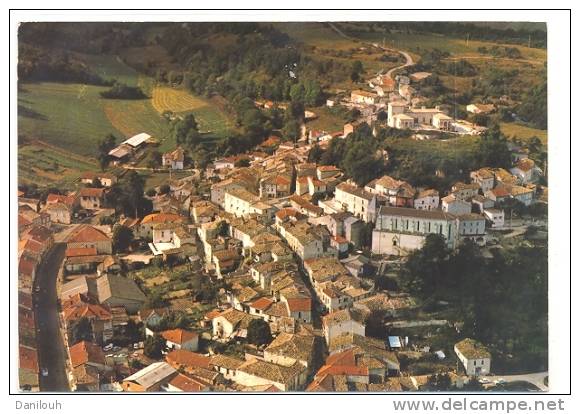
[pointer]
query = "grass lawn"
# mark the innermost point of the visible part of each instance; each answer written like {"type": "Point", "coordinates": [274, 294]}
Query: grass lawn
{"type": "Point", "coordinates": [155, 179]}
{"type": "Point", "coordinates": [326, 121]}
{"type": "Point", "coordinates": [514, 130]}
{"type": "Point", "coordinates": [437, 148]}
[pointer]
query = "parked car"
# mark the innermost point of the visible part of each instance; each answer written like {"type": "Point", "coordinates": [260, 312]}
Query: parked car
{"type": "Point", "coordinates": [44, 372]}
{"type": "Point", "coordinates": [108, 347]}
{"type": "Point", "coordinates": [500, 381]}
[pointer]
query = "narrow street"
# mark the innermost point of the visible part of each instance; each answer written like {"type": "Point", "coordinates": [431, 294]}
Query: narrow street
{"type": "Point", "coordinates": [51, 351]}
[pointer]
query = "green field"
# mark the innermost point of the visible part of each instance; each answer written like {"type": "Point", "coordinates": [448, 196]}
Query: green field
{"type": "Point", "coordinates": [41, 164]}
{"type": "Point", "coordinates": [69, 116]}
{"type": "Point", "coordinates": [326, 120]}
{"type": "Point", "coordinates": [111, 67]}
{"type": "Point", "coordinates": [74, 117]}
{"type": "Point", "coordinates": [513, 130]}
{"type": "Point", "coordinates": [454, 46]}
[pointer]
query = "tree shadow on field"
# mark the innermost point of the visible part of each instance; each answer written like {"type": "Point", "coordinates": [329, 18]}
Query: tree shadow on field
{"type": "Point", "coordinates": [30, 113]}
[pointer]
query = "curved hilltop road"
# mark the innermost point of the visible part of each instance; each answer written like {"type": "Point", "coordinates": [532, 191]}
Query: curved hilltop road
{"type": "Point", "coordinates": [408, 59]}
{"type": "Point", "coordinates": [408, 62]}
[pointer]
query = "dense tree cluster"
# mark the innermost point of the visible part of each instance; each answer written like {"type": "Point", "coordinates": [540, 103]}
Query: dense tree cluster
{"type": "Point", "coordinates": [359, 155]}
{"type": "Point", "coordinates": [128, 196]}
{"type": "Point", "coordinates": [499, 51]}
{"type": "Point", "coordinates": [502, 300]}
{"type": "Point", "coordinates": [122, 91]}
{"type": "Point", "coordinates": [104, 146]}
{"type": "Point", "coordinates": [534, 106]}
{"type": "Point", "coordinates": [186, 132]}
{"type": "Point", "coordinates": [35, 64]}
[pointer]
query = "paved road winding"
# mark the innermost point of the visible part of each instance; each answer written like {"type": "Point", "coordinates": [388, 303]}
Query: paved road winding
{"type": "Point", "coordinates": [535, 378]}
{"type": "Point", "coordinates": [51, 351]}
{"type": "Point", "coordinates": [408, 58]}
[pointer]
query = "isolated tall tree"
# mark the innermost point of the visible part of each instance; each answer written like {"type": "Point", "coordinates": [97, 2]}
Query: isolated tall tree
{"type": "Point", "coordinates": [82, 330]}
{"type": "Point", "coordinates": [259, 332]}
{"type": "Point", "coordinates": [104, 146]}
{"type": "Point", "coordinates": [154, 346]}
{"type": "Point", "coordinates": [122, 238]}
{"type": "Point", "coordinates": [133, 190]}
{"type": "Point", "coordinates": [186, 132]}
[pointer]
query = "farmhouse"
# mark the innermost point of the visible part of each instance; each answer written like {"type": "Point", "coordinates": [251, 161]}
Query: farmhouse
{"type": "Point", "coordinates": [400, 115]}
{"type": "Point", "coordinates": [474, 356]}
{"type": "Point", "coordinates": [106, 180]}
{"type": "Point", "coordinates": [174, 159]}
{"type": "Point", "coordinates": [363, 97]}
{"type": "Point", "coordinates": [92, 198]}
{"type": "Point", "coordinates": [176, 339]}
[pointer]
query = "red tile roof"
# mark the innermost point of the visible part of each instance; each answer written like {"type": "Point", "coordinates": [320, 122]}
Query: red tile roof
{"type": "Point", "coordinates": [87, 233]}
{"type": "Point", "coordinates": [212, 314]}
{"type": "Point", "coordinates": [23, 221]}
{"type": "Point", "coordinates": [262, 303]}
{"type": "Point", "coordinates": [188, 359]}
{"type": "Point", "coordinates": [299, 304]}
{"type": "Point", "coordinates": [92, 192]}
{"type": "Point", "coordinates": [187, 384]}
{"type": "Point", "coordinates": [163, 218]}
{"type": "Point", "coordinates": [26, 266]}
{"type": "Point", "coordinates": [84, 352]}
{"type": "Point", "coordinates": [500, 192]}
{"type": "Point", "coordinates": [38, 233]}
{"type": "Point", "coordinates": [81, 251]}
{"type": "Point", "coordinates": [28, 358]}
{"type": "Point", "coordinates": [86, 310]}
{"type": "Point", "coordinates": [179, 336]}
{"type": "Point", "coordinates": [30, 246]}
{"type": "Point", "coordinates": [55, 198]}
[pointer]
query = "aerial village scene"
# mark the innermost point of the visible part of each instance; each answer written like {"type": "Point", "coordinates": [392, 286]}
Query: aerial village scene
{"type": "Point", "coordinates": [282, 207]}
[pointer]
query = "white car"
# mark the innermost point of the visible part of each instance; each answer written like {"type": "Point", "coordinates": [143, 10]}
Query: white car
{"type": "Point", "coordinates": [484, 381]}
{"type": "Point", "coordinates": [108, 347]}
{"type": "Point", "coordinates": [500, 381]}
{"type": "Point", "coordinates": [44, 372]}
